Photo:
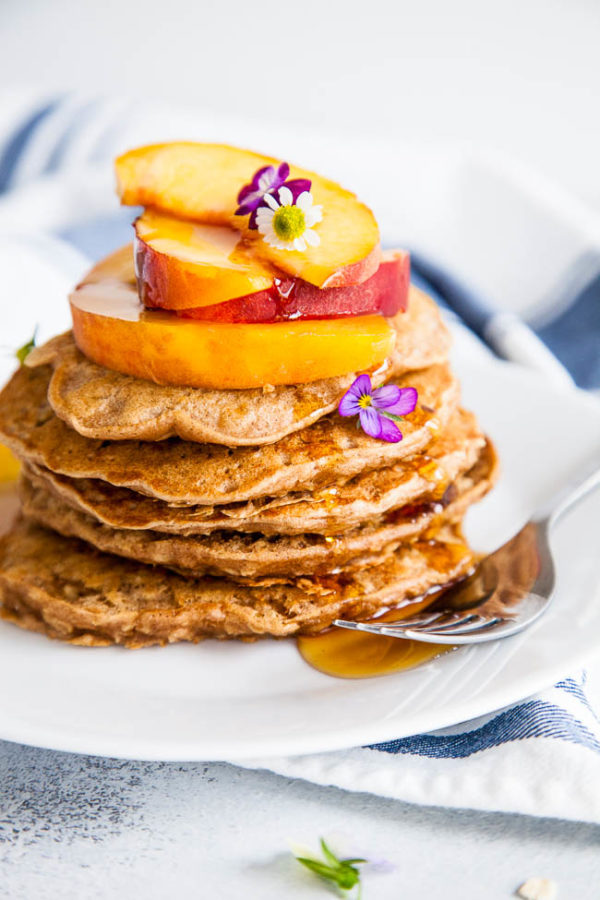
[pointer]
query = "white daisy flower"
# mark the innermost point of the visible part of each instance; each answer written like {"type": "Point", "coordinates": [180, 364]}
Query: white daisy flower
{"type": "Point", "coordinates": [287, 225]}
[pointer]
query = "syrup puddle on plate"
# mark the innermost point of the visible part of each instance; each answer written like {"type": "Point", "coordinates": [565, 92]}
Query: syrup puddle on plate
{"type": "Point", "coordinates": [356, 654]}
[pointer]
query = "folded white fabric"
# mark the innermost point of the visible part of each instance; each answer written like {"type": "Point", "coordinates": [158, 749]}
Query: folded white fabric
{"type": "Point", "coordinates": [540, 757]}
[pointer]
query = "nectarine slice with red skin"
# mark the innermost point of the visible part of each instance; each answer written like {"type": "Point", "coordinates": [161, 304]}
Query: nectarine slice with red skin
{"type": "Point", "coordinates": [180, 264]}
{"type": "Point", "coordinates": [200, 182]}
{"type": "Point", "coordinates": [185, 264]}
{"type": "Point", "coordinates": [385, 292]}
{"type": "Point", "coordinates": [112, 328]}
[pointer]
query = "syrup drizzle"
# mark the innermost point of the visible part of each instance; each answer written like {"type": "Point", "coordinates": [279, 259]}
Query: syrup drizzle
{"type": "Point", "coordinates": [355, 654]}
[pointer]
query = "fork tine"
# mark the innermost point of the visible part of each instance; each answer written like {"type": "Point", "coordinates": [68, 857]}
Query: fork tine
{"type": "Point", "coordinates": [447, 622]}
{"type": "Point", "coordinates": [484, 625]}
{"type": "Point", "coordinates": [378, 627]}
{"type": "Point", "coordinates": [467, 626]}
{"type": "Point", "coordinates": [420, 624]}
{"type": "Point", "coordinates": [414, 621]}
{"type": "Point", "coordinates": [481, 624]}
{"type": "Point", "coordinates": [392, 629]}
{"type": "Point", "coordinates": [369, 627]}
{"type": "Point", "coordinates": [355, 626]}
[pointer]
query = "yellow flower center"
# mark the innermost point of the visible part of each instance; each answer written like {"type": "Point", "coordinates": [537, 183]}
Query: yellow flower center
{"type": "Point", "coordinates": [365, 401]}
{"type": "Point", "coordinates": [289, 223]}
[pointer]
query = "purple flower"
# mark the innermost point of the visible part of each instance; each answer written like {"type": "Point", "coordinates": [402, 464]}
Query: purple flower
{"type": "Point", "coordinates": [379, 409]}
{"type": "Point", "coordinates": [267, 180]}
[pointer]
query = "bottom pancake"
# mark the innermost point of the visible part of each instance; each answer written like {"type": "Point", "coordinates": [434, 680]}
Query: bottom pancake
{"type": "Point", "coordinates": [240, 556]}
{"type": "Point", "coordinates": [65, 589]}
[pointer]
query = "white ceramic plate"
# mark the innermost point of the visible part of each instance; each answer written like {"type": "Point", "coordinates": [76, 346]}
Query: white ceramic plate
{"type": "Point", "coordinates": [238, 701]}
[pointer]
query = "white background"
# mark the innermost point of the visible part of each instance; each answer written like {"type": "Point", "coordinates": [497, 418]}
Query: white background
{"type": "Point", "coordinates": [523, 77]}
{"type": "Point", "coordinates": [517, 75]}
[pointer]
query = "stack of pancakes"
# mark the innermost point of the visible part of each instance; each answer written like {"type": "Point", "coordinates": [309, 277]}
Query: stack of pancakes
{"type": "Point", "coordinates": [153, 514]}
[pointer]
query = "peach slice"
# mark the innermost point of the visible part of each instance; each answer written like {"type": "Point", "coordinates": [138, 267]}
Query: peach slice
{"type": "Point", "coordinates": [113, 329]}
{"type": "Point", "coordinates": [180, 264]}
{"type": "Point", "coordinates": [201, 182]}
{"type": "Point", "coordinates": [385, 292]}
{"type": "Point", "coordinates": [196, 268]}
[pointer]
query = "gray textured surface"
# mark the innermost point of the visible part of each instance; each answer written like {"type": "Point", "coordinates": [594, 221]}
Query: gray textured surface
{"type": "Point", "coordinates": [83, 827]}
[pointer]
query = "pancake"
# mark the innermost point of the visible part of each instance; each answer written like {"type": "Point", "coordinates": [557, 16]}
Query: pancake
{"type": "Point", "coordinates": [64, 589]}
{"type": "Point", "coordinates": [106, 405]}
{"type": "Point", "coordinates": [187, 473]}
{"type": "Point", "coordinates": [326, 511]}
{"type": "Point", "coordinates": [251, 555]}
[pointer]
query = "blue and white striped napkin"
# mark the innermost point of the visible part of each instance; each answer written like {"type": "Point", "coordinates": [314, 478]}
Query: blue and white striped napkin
{"type": "Point", "coordinates": [540, 757]}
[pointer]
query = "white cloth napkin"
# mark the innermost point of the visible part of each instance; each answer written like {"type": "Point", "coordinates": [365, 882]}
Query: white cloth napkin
{"type": "Point", "coordinates": [540, 757]}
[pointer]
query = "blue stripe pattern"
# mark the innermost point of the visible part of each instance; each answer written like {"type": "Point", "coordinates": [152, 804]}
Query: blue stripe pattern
{"type": "Point", "coordinates": [574, 337]}
{"type": "Point", "coordinates": [571, 686]}
{"type": "Point", "coordinates": [17, 144]}
{"type": "Point", "coordinates": [76, 124]}
{"type": "Point", "coordinates": [532, 719]}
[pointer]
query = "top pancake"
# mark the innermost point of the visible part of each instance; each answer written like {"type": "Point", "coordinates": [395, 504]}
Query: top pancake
{"type": "Point", "coordinates": [185, 473]}
{"type": "Point", "coordinates": [103, 404]}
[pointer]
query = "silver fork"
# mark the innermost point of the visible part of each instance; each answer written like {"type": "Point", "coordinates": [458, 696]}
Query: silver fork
{"type": "Point", "coordinates": [506, 593]}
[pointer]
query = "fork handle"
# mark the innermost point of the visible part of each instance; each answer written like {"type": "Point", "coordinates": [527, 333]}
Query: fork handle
{"type": "Point", "coordinates": [569, 496]}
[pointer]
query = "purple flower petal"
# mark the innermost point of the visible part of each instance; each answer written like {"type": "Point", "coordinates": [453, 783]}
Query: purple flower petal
{"type": "Point", "coordinates": [249, 199]}
{"type": "Point", "coordinates": [370, 421]}
{"type": "Point", "coordinates": [386, 396]}
{"type": "Point", "coordinates": [282, 173]}
{"type": "Point", "coordinates": [265, 181]}
{"type": "Point", "coordinates": [361, 386]}
{"type": "Point", "coordinates": [251, 205]}
{"type": "Point", "coordinates": [406, 402]}
{"type": "Point", "coordinates": [349, 405]}
{"type": "Point", "coordinates": [297, 186]}
{"type": "Point", "coordinates": [389, 431]}
{"type": "Point", "coordinates": [252, 220]}
{"type": "Point", "coordinates": [255, 190]}
{"type": "Point", "coordinates": [245, 192]}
